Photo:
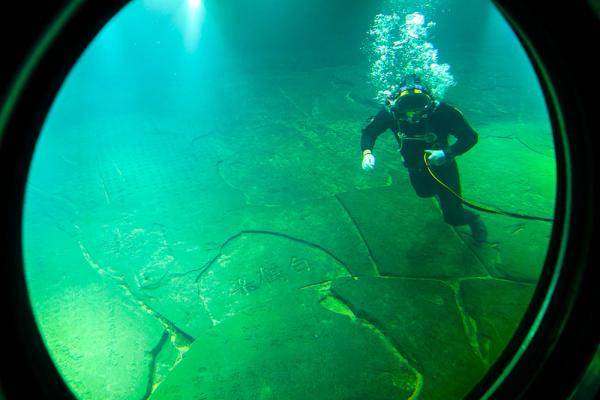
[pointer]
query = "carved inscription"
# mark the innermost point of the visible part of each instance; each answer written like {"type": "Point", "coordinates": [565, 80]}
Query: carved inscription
{"type": "Point", "coordinates": [267, 276]}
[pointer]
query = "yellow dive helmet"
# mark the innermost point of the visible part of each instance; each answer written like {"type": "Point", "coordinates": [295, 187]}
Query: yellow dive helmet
{"type": "Point", "coordinates": [412, 101]}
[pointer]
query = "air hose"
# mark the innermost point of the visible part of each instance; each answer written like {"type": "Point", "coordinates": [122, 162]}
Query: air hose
{"type": "Point", "coordinates": [475, 206]}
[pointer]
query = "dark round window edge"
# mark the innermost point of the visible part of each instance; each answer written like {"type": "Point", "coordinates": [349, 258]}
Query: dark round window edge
{"type": "Point", "coordinates": [564, 338]}
{"type": "Point", "coordinates": [62, 29]}
{"type": "Point", "coordinates": [557, 337]}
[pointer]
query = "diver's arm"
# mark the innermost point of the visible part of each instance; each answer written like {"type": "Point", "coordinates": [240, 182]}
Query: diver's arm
{"type": "Point", "coordinates": [376, 126]}
{"type": "Point", "coordinates": [466, 137]}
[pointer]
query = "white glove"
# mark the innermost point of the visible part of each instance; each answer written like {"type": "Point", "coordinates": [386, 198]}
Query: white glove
{"type": "Point", "coordinates": [368, 162]}
{"type": "Point", "coordinates": [436, 157]}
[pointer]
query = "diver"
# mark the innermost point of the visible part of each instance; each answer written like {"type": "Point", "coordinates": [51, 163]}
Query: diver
{"type": "Point", "coordinates": [422, 127]}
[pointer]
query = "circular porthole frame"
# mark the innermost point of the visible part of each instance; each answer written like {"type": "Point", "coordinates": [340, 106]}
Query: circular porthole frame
{"type": "Point", "coordinates": [556, 337]}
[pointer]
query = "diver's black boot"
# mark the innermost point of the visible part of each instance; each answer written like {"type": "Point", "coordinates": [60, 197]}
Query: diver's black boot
{"type": "Point", "coordinates": [478, 229]}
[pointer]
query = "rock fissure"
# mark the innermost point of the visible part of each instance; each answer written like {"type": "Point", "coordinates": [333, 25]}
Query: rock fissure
{"type": "Point", "coordinates": [469, 324]}
{"type": "Point", "coordinates": [236, 236]}
{"type": "Point", "coordinates": [167, 277]}
{"type": "Point", "coordinates": [178, 338]}
{"type": "Point", "coordinates": [152, 382]}
{"type": "Point", "coordinates": [219, 164]}
{"type": "Point", "coordinates": [319, 285]}
{"type": "Point", "coordinates": [335, 303]}
{"type": "Point", "coordinates": [360, 234]}
{"type": "Point", "coordinates": [441, 279]}
{"type": "Point", "coordinates": [512, 137]}
{"type": "Point", "coordinates": [483, 265]}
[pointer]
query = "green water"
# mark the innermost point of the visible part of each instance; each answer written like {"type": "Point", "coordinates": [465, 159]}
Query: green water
{"type": "Point", "coordinates": [198, 226]}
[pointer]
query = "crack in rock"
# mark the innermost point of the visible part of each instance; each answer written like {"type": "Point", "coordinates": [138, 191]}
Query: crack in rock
{"type": "Point", "coordinates": [479, 341]}
{"type": "Point", "coordinates": [292, 102]}
{"type": "Point", "coordinates": [166, 277]}
{"type": "Point", "coordinates": [497, 278]}
{"type": "Point", "coordinates": [204, 303]}
{"type": "Point", "coordinates": [518, 139]}
{"type": "Point", "coordinates": [325, 285]}
{"type": "Point", "coordinates": [491, 271]}
{"type": "Point", "coordinates": [469, 324]}
{"type": "Point", "coordinates": [110, 273]}
{"type": "Point", "coordinates": [232, 238]}
{"type": "Point", "coordinates": [441, 279]}
{"type": "Point", "coordinates": [360, 234]}
{"type": "Point", "coordinates": [152, 383]}
{"type": "Point", "coordinates": [219, 167]}
{"type": "Point", "coordinates": [179, 339]}
{"type": "Point", "coordinates": [334, 303]}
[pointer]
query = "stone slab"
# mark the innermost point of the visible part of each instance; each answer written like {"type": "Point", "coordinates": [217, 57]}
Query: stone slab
{"type": "Point", "coordinates": [407, 236]}
{"type": "Point", "coordinates": [425, 323]}
{"type": "Point", "coordinates": [291, 348]}
{"type": "Point", "coordinates": [255, 267]}
{"type": "Point", "coordinates": [99, 340]}
{"type": "Point", "coordinates": [519, 176]}
{"type": "Point", "coordinates": [497, 307]}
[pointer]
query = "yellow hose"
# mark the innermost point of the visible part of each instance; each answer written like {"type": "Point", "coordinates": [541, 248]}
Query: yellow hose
{"type": "Point", "coordinates": [475, 206]}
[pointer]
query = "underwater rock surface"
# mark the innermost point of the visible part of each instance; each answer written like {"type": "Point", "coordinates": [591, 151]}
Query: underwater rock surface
{"type": "Point", "coordinates": [491, 304]}
{"type": "Point", "coordinates": [423, 319]}
{"type": "Point", "coordinates": [289, 348]}
{"type": "Point", "coordinates": [192, 261]}
{"type": "Point", "coordinates": [406, 235]}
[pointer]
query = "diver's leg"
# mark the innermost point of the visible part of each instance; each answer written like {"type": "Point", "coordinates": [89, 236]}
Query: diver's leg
{"type": "Point", "coordinates": [422, 183]}
{"type": "Point", "coordinates": [452, 208]}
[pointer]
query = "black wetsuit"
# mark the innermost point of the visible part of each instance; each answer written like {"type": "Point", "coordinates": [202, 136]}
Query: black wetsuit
{"type": "Point", "coordinates": [433, 133]}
